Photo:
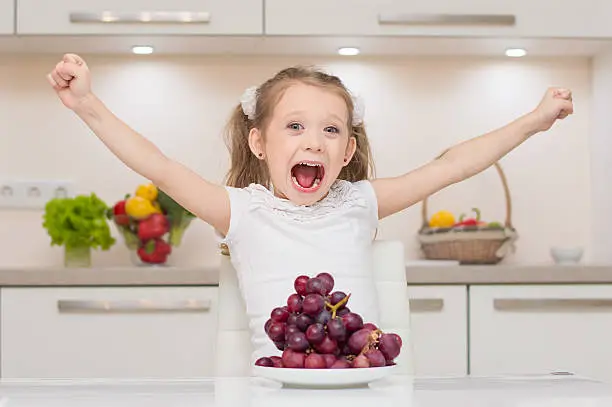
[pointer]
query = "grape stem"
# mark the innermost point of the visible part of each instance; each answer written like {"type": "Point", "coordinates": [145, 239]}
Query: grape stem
{"type": "Point", "coordinates": [334, 308]}
{"type": "Point", "coordinates": [372, 339]}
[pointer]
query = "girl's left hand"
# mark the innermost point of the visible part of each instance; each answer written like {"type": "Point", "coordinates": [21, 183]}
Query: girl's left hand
{"type": "Point", "coordinates": [556, 104]}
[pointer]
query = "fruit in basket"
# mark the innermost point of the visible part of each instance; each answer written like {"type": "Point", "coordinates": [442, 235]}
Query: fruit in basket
{"type": "Point", "coordinates": [494, 225]}
{"type": "Point", "coordinates": [470, 222]}
{"type": "Point", "coordinates": [317, 330]}
{"type": "Point", "coordinates": [442, 219]}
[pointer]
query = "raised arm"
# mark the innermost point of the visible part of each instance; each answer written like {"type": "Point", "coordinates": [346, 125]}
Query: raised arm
{"type": "Point", "coordinates": [208, 201]}
{"type": "Point", "coordinates": [469, 158]}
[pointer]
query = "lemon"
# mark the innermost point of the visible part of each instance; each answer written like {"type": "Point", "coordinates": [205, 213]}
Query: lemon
{"type": "Point", "coordinates": [442, 219]}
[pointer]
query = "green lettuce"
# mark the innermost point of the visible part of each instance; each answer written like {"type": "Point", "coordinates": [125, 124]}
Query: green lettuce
{"type": "Point", "coordinates": [78, 222]}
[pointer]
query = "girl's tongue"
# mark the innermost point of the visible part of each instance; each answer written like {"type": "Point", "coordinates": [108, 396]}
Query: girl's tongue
{"type": "Point", "coordinates": [306, 176]}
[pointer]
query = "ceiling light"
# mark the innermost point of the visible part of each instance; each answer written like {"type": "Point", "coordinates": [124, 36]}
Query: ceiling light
{"type": "Point", "coordinates": [515, 52]}
{"type": "Point", "coordinates": [348, 51]}
{"type": "Point", "coordinates": [142, 49]}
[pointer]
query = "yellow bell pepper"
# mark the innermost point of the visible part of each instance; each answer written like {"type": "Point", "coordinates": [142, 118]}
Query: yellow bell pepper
{"type": "Point", "coordinates": [442, 219]}
{"type": "Point", "coordinates": [140, 208]}
{"type": "Point", "coordinates": [147, 191]}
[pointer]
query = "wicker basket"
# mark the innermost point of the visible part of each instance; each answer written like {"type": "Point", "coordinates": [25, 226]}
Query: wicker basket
{"type": "Point", "coordinates": [469, 244]}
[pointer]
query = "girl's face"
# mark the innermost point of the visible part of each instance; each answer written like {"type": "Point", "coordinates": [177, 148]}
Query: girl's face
{"type": "Point", "coordinates": [306, 143]}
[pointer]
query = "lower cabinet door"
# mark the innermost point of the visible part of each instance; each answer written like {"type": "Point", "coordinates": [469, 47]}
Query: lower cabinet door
{"type": "Point", "coordinates": [144, 332]}
{"type": "Point", "coordinates": [438, 317]}
{"type": "Point", "coordinates": [541, 329]}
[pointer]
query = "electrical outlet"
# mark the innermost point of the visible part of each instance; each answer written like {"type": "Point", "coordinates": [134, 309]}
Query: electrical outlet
{"type": "Point", "coordinates": [32, 194]}
{"type": "Point", "coordinates": [8, 195]}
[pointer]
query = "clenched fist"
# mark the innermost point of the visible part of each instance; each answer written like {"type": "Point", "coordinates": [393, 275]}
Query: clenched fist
{"type": "Point", "coordinates": [556, 104]}
{"type": "Point", "coordinates": [70, 79]}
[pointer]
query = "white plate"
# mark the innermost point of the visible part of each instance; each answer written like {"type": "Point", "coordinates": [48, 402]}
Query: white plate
{"type": "Point", "coordinates": [323, 378]}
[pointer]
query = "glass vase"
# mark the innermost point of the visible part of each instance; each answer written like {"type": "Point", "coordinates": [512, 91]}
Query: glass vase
{"type": "Point", "coordinates": [77, 256]}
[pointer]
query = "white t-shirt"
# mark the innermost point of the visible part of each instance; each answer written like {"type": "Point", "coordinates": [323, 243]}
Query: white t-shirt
{"type": "Point", "coordinates": [272, 241]}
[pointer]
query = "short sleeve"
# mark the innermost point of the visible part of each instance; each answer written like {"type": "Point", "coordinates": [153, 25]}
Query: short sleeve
{"type": "Point", "coordinates": [367, 190]}
{"type": "Point", "coordinates": [240, 199]}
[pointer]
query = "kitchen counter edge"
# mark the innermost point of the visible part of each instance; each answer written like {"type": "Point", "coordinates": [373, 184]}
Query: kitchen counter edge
{"type": "Point", "coordinates": [209, 276]}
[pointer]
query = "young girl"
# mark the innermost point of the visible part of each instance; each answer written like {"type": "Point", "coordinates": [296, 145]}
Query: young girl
{"type": "Point", "coordinates": [300, 198]}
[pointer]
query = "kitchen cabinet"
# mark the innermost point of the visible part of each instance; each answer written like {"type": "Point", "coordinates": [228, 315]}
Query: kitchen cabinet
{"type": "Point", "coordinates": [539, 329]}
{"type": "Point", "coordinates": [124, 332]}
{"type": "Point", "coordinates": [466, 18]}
{"type": "Point", "coordinates": [438, 318]}
{"type": "Point", "coordinates": [7, 17]}
{"type": "Point", "coordinates": [83, 17]}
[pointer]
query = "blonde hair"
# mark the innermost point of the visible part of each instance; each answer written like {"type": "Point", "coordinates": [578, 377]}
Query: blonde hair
{"type": "Point", "coordinates": [245, 168]}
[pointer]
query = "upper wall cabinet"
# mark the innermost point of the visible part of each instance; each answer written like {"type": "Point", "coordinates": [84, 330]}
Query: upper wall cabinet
{"type": "Point", "coordinates": [7, 17]}
{"type": "Point", "coordinates": [82, 17]}
{"type": "Point", "coordinates": [481, 18]}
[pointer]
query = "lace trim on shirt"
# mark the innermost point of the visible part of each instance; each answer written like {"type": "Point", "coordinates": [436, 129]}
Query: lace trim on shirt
{"type": "Point", "coordinates": [342, 196]}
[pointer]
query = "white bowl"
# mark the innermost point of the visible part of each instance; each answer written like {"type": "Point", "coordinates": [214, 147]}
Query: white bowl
{"type": "Point", "coordinates": [323, 378]}
{"type": "Point", "coordinates": [566, 255]}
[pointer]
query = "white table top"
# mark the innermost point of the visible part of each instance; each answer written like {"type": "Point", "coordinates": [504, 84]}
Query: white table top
{"type": "Point", "coordinates": [523, 391]}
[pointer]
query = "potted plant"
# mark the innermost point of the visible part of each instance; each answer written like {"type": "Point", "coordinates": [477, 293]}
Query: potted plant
{"type": "Point", "coordinates": [79, 224]}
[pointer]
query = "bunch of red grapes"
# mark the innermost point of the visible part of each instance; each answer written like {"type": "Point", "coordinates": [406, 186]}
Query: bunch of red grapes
{"type": "Point", "coordinates": [317, 330]}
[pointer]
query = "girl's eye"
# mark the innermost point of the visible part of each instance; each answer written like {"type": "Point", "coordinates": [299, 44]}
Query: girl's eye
{"type": "Point", "coordinates": [295, 126]}
{"type": "Point", "coordinates": [332, 129]}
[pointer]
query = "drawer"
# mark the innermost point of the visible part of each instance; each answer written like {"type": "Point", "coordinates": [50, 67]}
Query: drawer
{"type": "Point", "coordinates": [219, 17]}
{"type": "Point", "coordinates": [541, 329]}
{"type": "Point", "coordinates": [465, 18]}
{"type": "Point", "coordinates": [159, 332]}
{"type": "Point", "coordinates": [438, 319]}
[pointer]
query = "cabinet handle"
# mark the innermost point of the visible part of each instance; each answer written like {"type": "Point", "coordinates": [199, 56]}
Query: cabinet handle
{"type": "Point", "coordinates": [141, 17]}
{"type": "Point", "coordinates": [135, 306]}
{"type": "Point", "coordinates": [552, 304]}
{"type": "Point", "coordinates": [426, 304]}
{"type": "Point", "coordinates": [446, 19]}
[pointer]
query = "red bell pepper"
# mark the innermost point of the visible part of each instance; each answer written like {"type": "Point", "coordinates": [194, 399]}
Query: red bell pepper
{"type": "Point", "coordinates": [153, 227]}
{"type": "Point", "coordinates": [154, 251]}
{"type": "Point", "coordinates": [119, 214]}
{"type": "Point", "coordinates": [470, 221]}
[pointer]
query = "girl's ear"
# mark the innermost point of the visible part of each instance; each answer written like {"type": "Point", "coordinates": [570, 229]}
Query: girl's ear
{"type": "Point", "coordinates": [351, 147]}
{"type": "Point", "coordinates": [256, 143]}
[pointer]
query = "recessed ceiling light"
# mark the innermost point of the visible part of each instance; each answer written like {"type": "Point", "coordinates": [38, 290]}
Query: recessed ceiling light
{"type": "Point", "coordinates": [348, 51]}
{"type": "Point", "coordinates": [516, 52]}
{"type": "Point", "coordinates": [142, 49]}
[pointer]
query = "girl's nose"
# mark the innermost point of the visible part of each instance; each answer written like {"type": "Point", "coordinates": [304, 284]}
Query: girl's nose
{"type": "Point", "coordinates": [313, 142]}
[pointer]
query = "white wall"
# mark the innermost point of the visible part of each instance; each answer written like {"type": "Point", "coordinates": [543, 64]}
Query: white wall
{"type": "Point", "coordinates": [415, 108]}
{"type": "Point", "coordinates": [600, 159]}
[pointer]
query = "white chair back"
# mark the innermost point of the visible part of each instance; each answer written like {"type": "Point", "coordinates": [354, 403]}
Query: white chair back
{"type": "Point", "coordinates": [233, 348]}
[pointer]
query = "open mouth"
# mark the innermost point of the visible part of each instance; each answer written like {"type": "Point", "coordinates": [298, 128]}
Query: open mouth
{"type": "Point", "coordinates": [307, 175]}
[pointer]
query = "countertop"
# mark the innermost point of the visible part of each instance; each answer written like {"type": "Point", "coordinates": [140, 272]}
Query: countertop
{"type": "Point", "coordinates": [208, 276]}
{"type": "Point", "coordinates": [526, 391]}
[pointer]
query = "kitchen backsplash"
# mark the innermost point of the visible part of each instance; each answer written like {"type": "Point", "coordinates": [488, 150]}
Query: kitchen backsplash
{"type": "Point", "coordinates": [415, 108]}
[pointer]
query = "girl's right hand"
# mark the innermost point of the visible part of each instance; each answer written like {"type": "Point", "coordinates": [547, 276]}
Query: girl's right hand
{"type": "Point", "coordinates": [70, 79]}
